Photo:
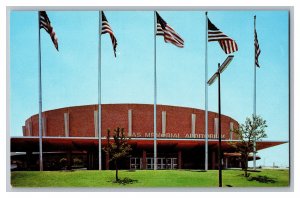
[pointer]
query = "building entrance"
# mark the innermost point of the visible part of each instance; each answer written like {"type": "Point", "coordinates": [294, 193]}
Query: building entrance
{"type": "Point", "coordinates": [162, 163]}
{"type": "Point", "coordinates": [166, 163]}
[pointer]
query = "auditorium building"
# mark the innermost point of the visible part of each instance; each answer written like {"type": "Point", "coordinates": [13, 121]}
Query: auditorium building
{"type": "Point", "coordinates": [70, 138]}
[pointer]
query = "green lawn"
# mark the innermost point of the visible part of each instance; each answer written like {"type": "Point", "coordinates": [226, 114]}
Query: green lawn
{"type": "Point", "coordinates": [148, 178]}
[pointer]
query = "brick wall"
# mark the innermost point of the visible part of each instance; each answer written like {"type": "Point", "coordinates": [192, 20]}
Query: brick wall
{"type": "Point", "coordinates": [81, 120]}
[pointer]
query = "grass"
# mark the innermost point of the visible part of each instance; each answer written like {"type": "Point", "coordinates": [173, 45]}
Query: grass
{"type": "Point", "coordinates": [149, 178]}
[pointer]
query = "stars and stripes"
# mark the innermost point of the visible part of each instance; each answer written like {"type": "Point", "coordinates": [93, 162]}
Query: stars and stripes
{"type": "Point", "coordinates": [107, 29]}
{"type": "Point", "coordinates": [214, 34]}
{"type": "Point", "coordinates": [46, 24]}
{"type": "Point", "coordinates": [170, 36]}
{"type": "Point", "coordinates": [257, 49]}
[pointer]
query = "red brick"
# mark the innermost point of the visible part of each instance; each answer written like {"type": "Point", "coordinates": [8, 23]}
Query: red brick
{"type": "Point", "coordinates": [81, 120]}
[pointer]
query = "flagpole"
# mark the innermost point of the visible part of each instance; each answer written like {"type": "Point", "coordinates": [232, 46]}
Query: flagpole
{"type": "Point", "coordinates": [155, 144]}
{"type": "Point", "coordinates": [254, 101]}
{"type": "Point", "coordinates": [40, 99]}
{"type": "Point", "coordinates": [99, 88]}
{"type": "Point", "coordinates": [220, 155]}
{"type": "Point", "coordinates": [206, 100]}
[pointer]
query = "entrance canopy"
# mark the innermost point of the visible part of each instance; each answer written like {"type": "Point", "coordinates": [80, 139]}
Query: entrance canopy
{"type": "Point", "coordinates": [50, 144]}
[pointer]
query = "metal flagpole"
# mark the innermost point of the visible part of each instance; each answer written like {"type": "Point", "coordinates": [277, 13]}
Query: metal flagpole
{"type": "Point", "coordinates": [155, 146]}
{"type": "Point", "coordinates": [254, 100]}
{"type": "Point", "coordinates": [206, 100]}
{"type": "Point", "coordinates": [99, 87]}
{"type": "Point", "coordinates": [40, 99]}
{"type": "Point", "coordinates": [210, 82]}
{"type": "Point", "coordinates": [219, 127]}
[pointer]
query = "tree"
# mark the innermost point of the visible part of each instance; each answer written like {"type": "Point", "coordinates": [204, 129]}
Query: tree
{"type": "Point", "coordinates": [118, 148]}
{"type": "Point", "coordinates": [252, 130]}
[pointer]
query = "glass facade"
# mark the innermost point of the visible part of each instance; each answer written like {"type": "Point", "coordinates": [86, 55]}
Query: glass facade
{"type": "Point", "coordinates": [162, 163]}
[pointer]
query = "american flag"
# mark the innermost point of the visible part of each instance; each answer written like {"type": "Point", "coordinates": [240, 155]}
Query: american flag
{"type": "Point", "coordinates": [170, 36]}
{"type": "Point", "coordinates": [107, 29]}
{"type": "Point", "coordinates": [46, 24]}
{"type": "Point", "coordinates": [214, 34]}
{"type": "Point", "coordinates": [257, 49]}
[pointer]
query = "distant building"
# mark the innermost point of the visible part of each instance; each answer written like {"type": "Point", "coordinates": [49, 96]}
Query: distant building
{"type": "Point", "coordinates": [70, 138]}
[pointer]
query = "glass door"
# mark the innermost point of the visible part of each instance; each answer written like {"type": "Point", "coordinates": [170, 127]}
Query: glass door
{"type": "Point", "coordinates": [150, 163]}
{"type": "Point", "coordinates": [174, 163]}
{"type": "Point", "coordinates": [135, 163]}
{"type": "Point", "coordinates": [161, 163]}
{"type": "Point", "coordinates": [168, 163]}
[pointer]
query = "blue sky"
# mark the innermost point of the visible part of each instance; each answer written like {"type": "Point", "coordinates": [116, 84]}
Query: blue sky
{"type": "Point", "coordinates": [70, 75]}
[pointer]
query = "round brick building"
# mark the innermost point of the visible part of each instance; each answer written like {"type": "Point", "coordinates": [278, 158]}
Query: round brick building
{"type": "Point", "coordinates": [136, 119]}
{"type": "Point", "coordinates": [70, 136]}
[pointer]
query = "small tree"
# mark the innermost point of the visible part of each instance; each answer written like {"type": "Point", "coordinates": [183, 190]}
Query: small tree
{"type": "Point", "coordinates": [252, 130]}
{"type": "Point", "coordinates": [118, 148]}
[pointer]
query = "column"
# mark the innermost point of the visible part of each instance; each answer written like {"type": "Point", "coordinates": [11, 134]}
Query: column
{"type": "Point", "coordinates": [163, 123]}
{"type": "Point", "coordinates": [44, 126]}
{"type": "Point", "coordinates": [96, 122]}
{"type": "Point", "coordinates": [144, 160]}
{"type": "Point", "coordinates": [130, 122]}
{"type": "Point", "coordinates": [89, 166]}
{"type": "Point", "coordinates": [66, 121]}
{"type": "Point", "coordinates": [29, 128]}
{"type": "Point", "coordinates": [107, 161]}
{"type": "Point", "coordinates": [28, 160]}
{"type": "Point", "coordinates": [193, 125]}
{"type": "Point", "coordinates": [231, 130]}
{"type": "Point", "coordinates": [69, 160]}
{"type": "Point", "coordinates": [213, 160]}
{"type": "Point", "coordinates": [216, 127]}
{"type": "Point", "coordinates": [92, 160]}
{"type": "Point", "coordinates": [24, 130]}
{"type": "Point", "coordinates": [179, 159]}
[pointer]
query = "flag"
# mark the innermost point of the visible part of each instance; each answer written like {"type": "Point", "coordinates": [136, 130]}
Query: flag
{"type": "Point", "coordinates": [107, 29]}
{"type": "Point", "coordinates": [170, 36]}
{"type": "Point", "coordinates": [257, 49]}
{"type": "Point", "coordinates": [46, 24]}
{"type": "Point", "coordinates": [227, 44]}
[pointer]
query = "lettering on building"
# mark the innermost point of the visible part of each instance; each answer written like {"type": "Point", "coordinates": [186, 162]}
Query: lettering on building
{"type": "Point", "coordinates": [175, 135]}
